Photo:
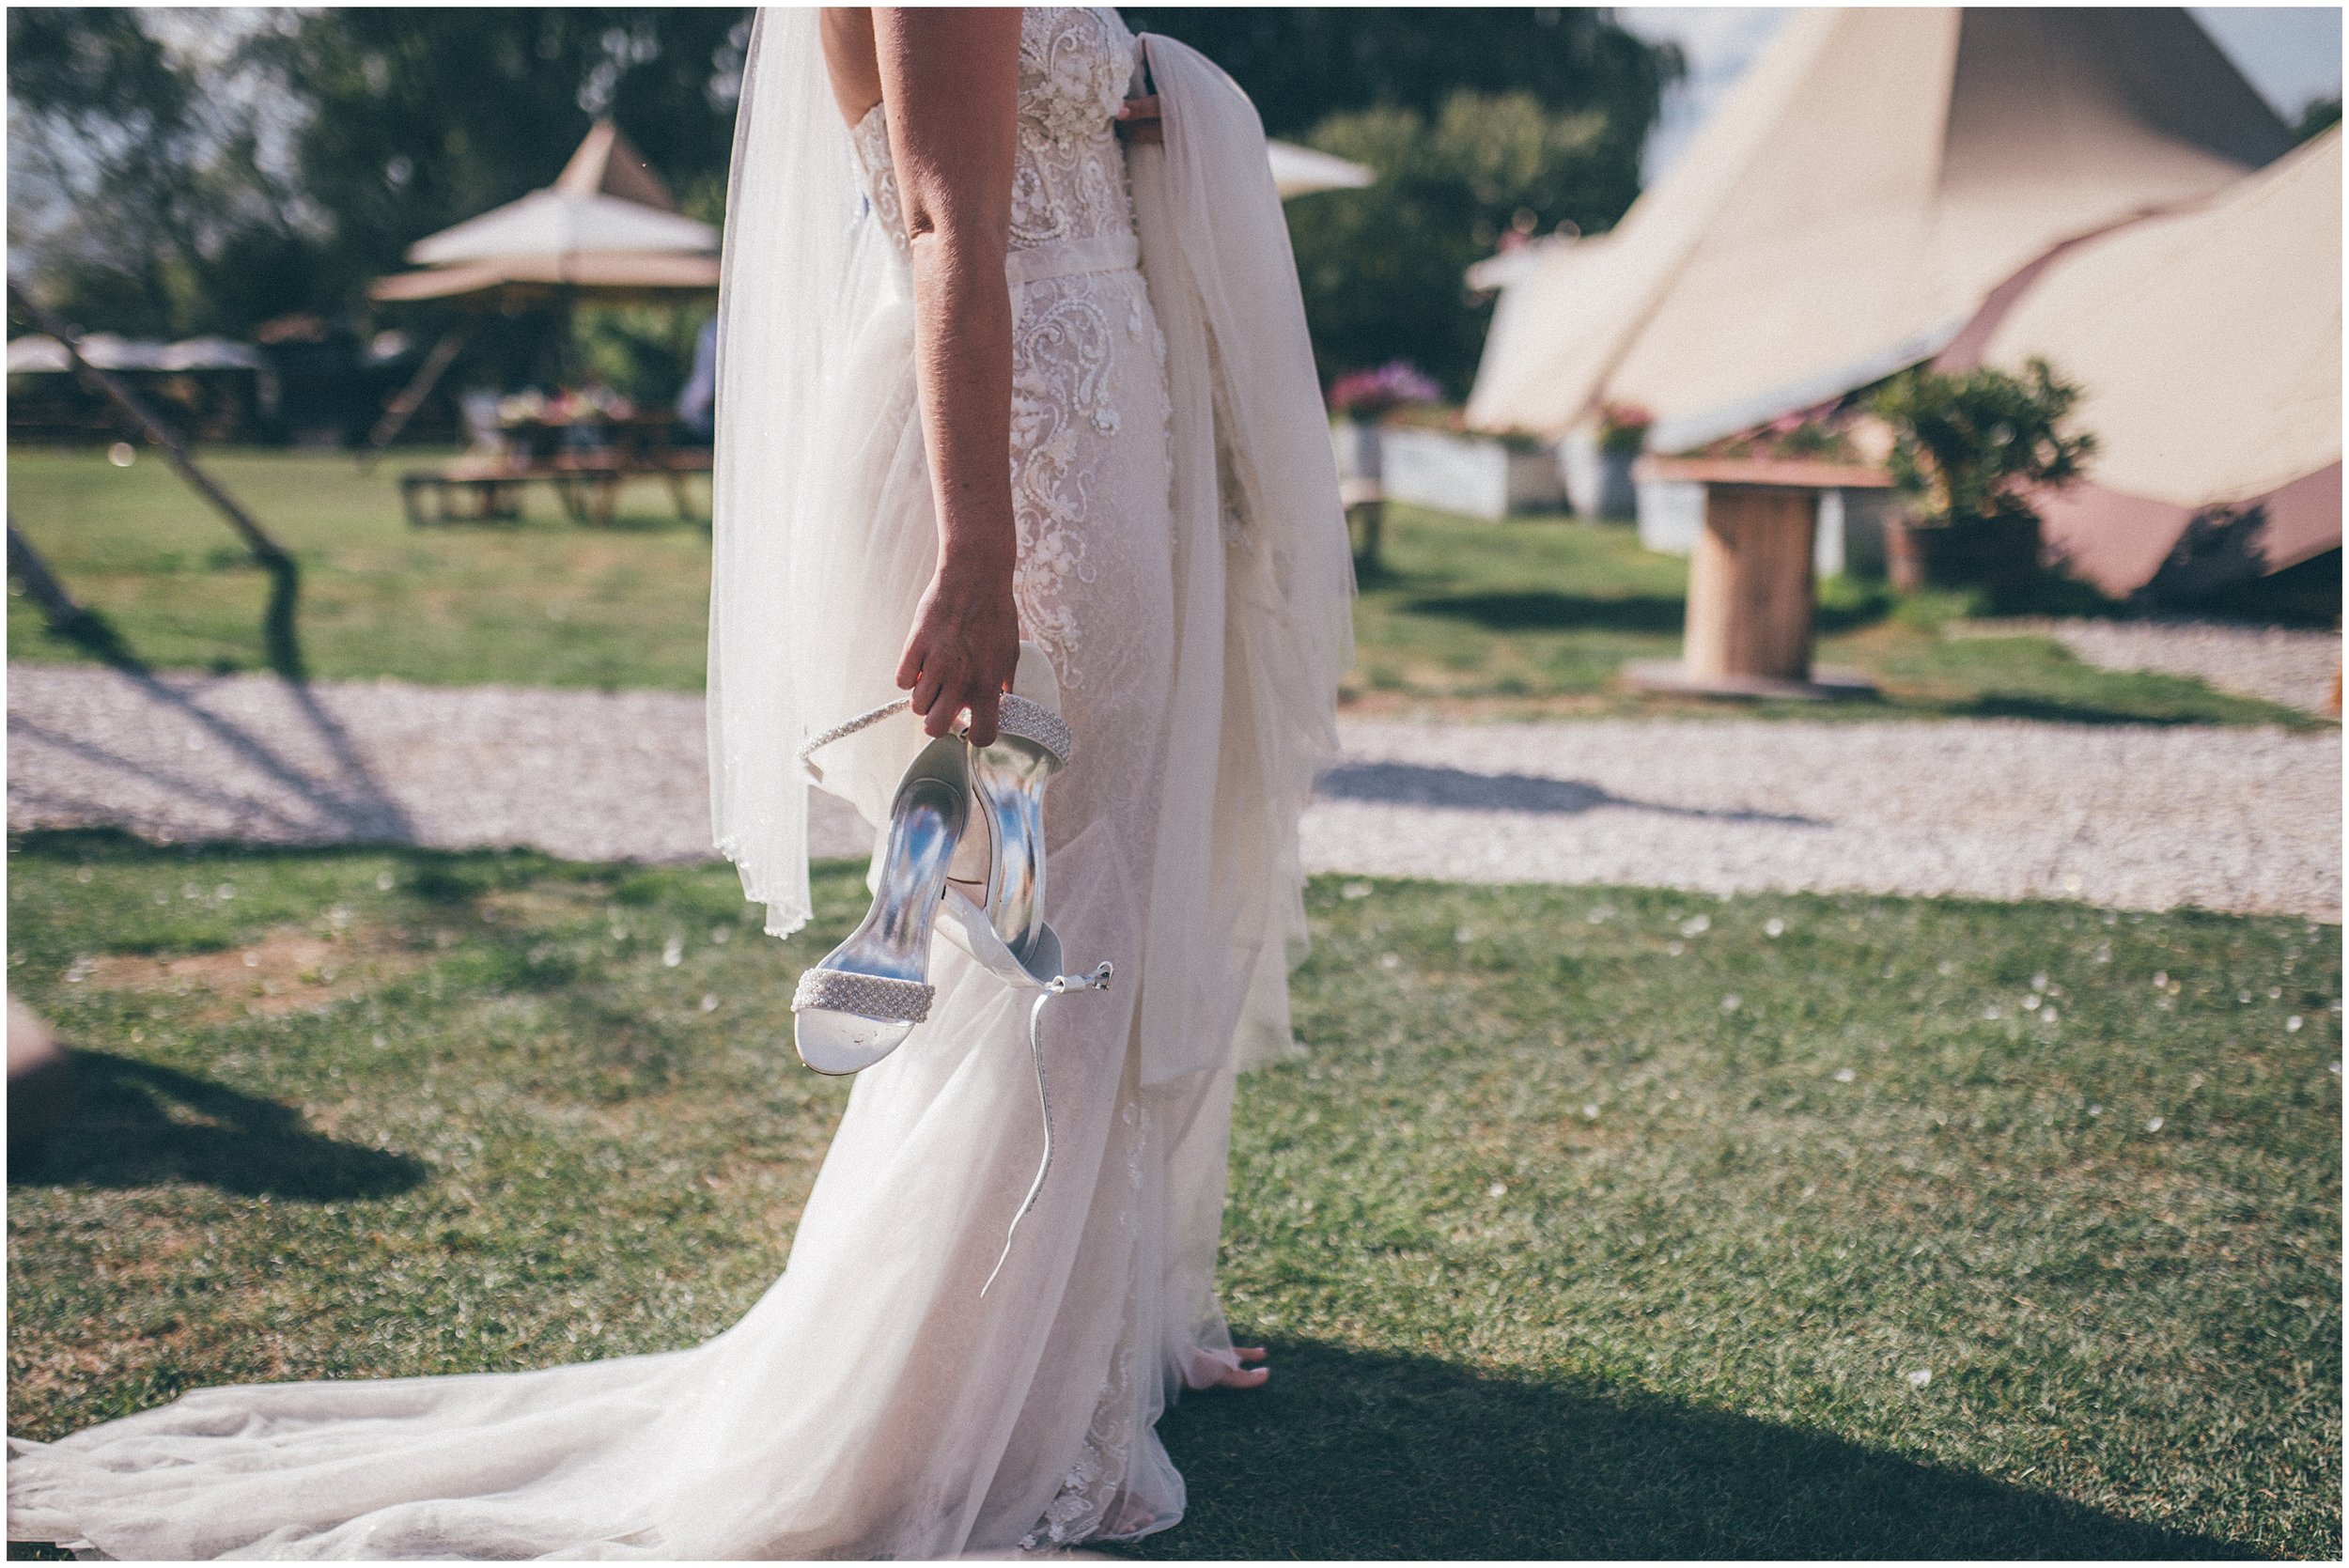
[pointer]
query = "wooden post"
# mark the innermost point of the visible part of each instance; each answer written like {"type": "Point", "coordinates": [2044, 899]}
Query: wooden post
{"type": "Point", "coordinates": [411, 396]}
{"type": "Point", "coordinates": [1751, 586]}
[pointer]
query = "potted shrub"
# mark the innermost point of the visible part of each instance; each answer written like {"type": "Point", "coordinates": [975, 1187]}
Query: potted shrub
{"type": "Point", "coordinates": [1968, 452]}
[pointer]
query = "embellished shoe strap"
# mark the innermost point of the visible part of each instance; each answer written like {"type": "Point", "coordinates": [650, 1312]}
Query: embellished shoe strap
{"type": "Point", "coordinates": [867, 996]}
{"type": "Point", "coordinates": [1058, 986]}
{"type": "Point", "coordinates": [1031, 722]}
{"type": "Point", "coordinates": [865, 720]}
{"type": "Point", "coordinates": [1023, 717]}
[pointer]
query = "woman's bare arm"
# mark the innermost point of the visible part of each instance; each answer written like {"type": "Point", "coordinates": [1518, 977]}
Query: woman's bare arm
{"type": "Point", "coordinates": [951, 80]}
{"type": "Point", "coordinates": [849, 60]}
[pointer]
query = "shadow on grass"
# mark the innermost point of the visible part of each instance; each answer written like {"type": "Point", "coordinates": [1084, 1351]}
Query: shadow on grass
{"type": "Point", "coordinates": [1350, 1455]}
{"type": "Point", "coordinates": [2051, 710]}
{"type": "Point", "coordinates": [1544, 610]}
{"type": "Point", "coordinates": [132, 1123]}
{"type": "Point", "coordinates": [97, 636]}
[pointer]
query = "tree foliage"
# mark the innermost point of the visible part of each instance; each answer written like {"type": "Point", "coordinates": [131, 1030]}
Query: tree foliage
{"type": "Point", "coordinates": [282, 167]}
{"type": "Point", "coordinates": [137, 193]}
{"type": "Point", "coordinates": [182, 172]}
{"type": "Point", "coordinates": [420, 118]}
{"type": "Point", "coordinates": [1476, 118]}
{"type": "Point", "coordinates": [1303, 64]}
{"type": "Point", "coordinates": [1381, 268]}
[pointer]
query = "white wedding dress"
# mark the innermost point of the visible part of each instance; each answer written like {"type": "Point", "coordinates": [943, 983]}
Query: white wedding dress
{"type": "Point", "coordinates": [873, 1404]}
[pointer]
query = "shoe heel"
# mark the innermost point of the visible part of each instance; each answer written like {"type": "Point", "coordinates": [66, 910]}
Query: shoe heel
{"type": "Point", "coordinates": [1008, 778]}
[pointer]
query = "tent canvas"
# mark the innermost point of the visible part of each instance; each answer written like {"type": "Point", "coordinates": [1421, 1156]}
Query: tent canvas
{"type": "Point", "coordinates": [2207, 346]}
{"type": "Point", "coordinates": [1876, 173]}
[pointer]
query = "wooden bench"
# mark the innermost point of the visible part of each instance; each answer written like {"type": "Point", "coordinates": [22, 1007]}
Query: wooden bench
{"type": "Point", "coordinates": [586, 480]}
{"type": "Point", "coordinates": [491, 487]}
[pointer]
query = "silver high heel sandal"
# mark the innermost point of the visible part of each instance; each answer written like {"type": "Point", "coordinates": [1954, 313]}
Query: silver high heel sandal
{"type": "Point", "coordinates": [866, 996]}
{"type": "Point", "coordinates": [861, 1002]}
{"type": "Point", "coordinates": [995, 890]}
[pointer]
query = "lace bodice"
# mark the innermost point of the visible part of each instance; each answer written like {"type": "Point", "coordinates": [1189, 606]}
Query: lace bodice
{"type": "Point", "coordinates": [1068, 174]}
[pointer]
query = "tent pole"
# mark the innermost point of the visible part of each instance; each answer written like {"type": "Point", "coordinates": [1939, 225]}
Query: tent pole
{"type": "Point", "coordinates": [400, 409]}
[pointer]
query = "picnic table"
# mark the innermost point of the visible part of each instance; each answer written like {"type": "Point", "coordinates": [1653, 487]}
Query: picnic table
{"type": "Point", "coordinates": [584, 457]}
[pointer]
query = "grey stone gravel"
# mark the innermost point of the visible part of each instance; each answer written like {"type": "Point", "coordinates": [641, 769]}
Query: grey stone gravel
{"type": "Point", "coordinates": [2279, 664]}
{"type": "Point", "coordinates": [587, 775]}
{"type": "Point", "coordinates": [2130, 816]}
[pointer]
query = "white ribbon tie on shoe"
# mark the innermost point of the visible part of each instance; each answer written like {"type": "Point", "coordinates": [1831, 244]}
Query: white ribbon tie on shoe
{"type": "Point", "coordinates": [1060, 985]}
{"type": "Point", "coordinates": [1037, 723]}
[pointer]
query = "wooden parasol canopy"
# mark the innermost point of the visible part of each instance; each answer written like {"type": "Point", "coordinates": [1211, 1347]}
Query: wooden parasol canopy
{"type": "Point", "coordinates": [607, 229]}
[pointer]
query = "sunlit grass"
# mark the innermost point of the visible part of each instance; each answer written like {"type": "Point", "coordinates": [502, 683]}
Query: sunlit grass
{"type": "Point", "coordinates": [1595, 1221]}
{"type": "Point", "coordinates": [1538, 614]}
{"type": "Point", "coordinates": [545, 603]}
{"type": "Point", "coordinates": [1531, 616]}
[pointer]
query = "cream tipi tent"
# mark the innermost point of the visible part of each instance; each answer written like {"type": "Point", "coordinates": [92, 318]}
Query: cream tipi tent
{"type": "Point", "coordinates": [1845, 211]}
{"type": "Point", "coordinates": [2207, 346]}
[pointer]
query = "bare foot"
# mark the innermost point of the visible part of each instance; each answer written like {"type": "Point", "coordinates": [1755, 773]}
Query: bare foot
{"type": "Point", "coordinates": [1248, 1375]}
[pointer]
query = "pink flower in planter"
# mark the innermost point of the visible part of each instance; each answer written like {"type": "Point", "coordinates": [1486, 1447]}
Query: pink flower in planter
{"type": "Point", "coordinates": [1368, 394]}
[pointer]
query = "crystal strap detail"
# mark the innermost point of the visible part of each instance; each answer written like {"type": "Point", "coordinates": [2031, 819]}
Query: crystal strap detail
{"type": "Point", "coordinates": [1024, 716]}
{"type": "Point", "coordinates": [841, 732]}
{"type": "Point", "coordinates": [868, 996]}
{"type": "Point", "coordinates": [1031, 720]}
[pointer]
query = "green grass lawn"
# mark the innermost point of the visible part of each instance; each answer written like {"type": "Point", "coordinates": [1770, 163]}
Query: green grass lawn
{"type": "Point", "coordinates": [1596, 1223]}
{"type": "Point", "coordinates": [548, 603]}
{"type": "Point", "coordinates": [1537, 614]}
{"type": "Point", "coordinates": [1524, 617]}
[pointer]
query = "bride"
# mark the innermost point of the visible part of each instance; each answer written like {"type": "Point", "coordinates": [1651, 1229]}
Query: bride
{"type": "Point", "coordinates": [938, 249]}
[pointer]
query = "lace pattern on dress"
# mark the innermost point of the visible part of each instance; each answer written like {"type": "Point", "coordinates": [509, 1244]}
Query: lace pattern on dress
{"type": "Point", "coordinates": [1073, 332]}
{"type": "Point", "coordinates": [1068, 184]}
{"type": "Point", "coordinates": [1068, 178]}
{"type": "Point", "coordinates": [1082, 1509]}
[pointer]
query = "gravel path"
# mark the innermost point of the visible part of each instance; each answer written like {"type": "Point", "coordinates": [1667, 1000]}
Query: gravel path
{"type": "Point", "coordinates": [2128, 816]}
{"type": "Point", "coordinates": [2120, 816]}
{"type": "Point", "coordinates": [2293, 668]}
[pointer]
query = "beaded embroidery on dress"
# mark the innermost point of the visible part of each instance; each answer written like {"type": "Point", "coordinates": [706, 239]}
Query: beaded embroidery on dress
{"type": "Point", "coordinates": [871, 1403]}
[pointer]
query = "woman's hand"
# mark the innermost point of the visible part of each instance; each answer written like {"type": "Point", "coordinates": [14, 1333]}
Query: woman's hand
{"type": "Point", "coordinates": [962, 651]}
{"type": "Point", "coordinates": [1138, 120]}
